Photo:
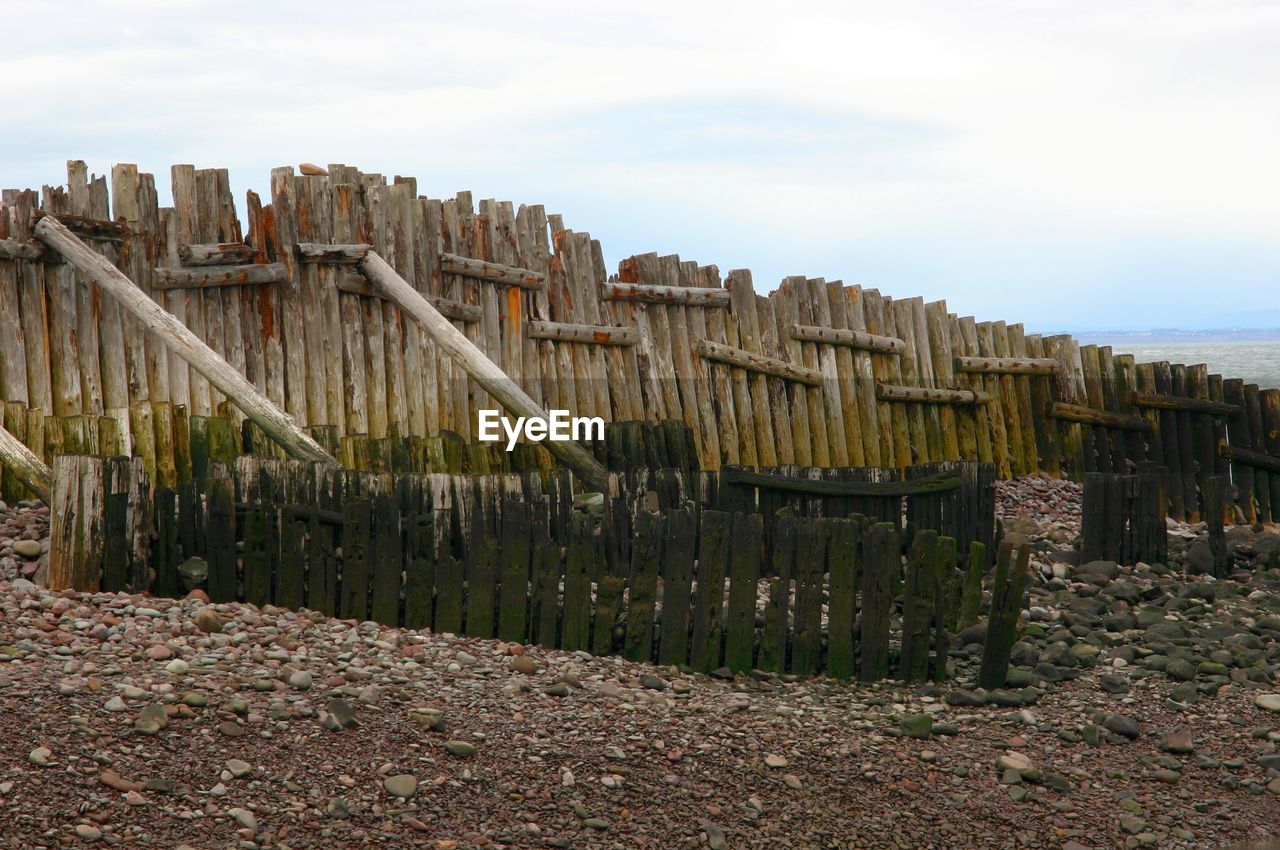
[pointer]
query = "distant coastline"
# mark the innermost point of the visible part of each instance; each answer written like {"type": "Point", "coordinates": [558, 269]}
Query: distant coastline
{"type": "Point", "coordinates": [1178, 336]}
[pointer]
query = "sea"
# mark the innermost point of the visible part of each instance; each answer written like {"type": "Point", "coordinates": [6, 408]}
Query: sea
{"type": "Point", "coordinates": [1251, 355]}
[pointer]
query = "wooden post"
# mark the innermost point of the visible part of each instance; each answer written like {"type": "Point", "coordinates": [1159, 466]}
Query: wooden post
{"type": "Point", "coordinates": [22, 462]}
{"type": "Point", "coordinates": [182, 341]}
{"type": "Point", "coordinates": [475, 363]}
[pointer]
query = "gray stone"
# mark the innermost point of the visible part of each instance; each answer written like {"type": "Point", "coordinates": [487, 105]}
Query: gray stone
{"type": "Point", "coordinates": [1268, 702]}
{"type": "Point", "coordinates": [461, 749]}
{"type": "Point", "coordinates": [916, 725]}
{"type": "Point", "coordinates": [1122, 725]}
{"type": "Point", "coordinates": [403, 785]}
{"type": "Point", "coordinates": [29, 549]}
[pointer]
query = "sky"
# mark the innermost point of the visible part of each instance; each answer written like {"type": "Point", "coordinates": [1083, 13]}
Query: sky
{"type": "Point", "coordinates": [1071, 165]}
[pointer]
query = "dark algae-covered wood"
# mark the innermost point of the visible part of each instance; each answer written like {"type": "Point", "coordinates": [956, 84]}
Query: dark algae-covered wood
{"type": "Point", "coordinates": [386, 562]}
{"type": "Point", "coordinates": [773, 642]}
{"type": "Point", "coordinates": [810, 562]}
{"type": "Point", "coordinates": [579, 568]}
{"type": "Point", "coordinates": [843, 538]}
{"type": "Point", "coordinates": [881, 565]}
{"type": "Point", "coordinates": [646, 558]}
{"type": "Point", "coordinates": [746, 536]}
{"type": "Point", "coordinates": [918, 595]}
{"type": "Point", "coordinates": [1006, 602]}
{"type": "Point", "coordinates": [708, 604]}
{"type": "Point", "coordinates": [357, 526]}
{"type": "Point", "coordinates": [677, 577]}
{"type": "Point", "coordinates": [513, 592]}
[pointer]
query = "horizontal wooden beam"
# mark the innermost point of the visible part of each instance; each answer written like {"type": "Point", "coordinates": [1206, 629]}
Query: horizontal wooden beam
{"type": "Point", "coordinates": [853, 339]}
{"type": "Point", "coordinates": [689, 296]}
{"type": "Point", "coordinates": [758, 363]}
{"type": "Point", "coordinates": [1184, 403]}
{"type": "Point", "coordinates": [937, 483]}
{"type": "Point", "coordinates": [1090, 416]}
{"type": "Point", "coordinates": [492, 272]}
{"type": "Point", "coordinates": [16, 249]}
{"type": "Point", "coordinates": [313, 252]}
{"type": "Point", "coordinates": [90, 228]}
{"type": "Point", "coordinates": [588, 334]}
{"type": "Point", "coordinates": [1248, 457]}
{"type": "Point", "coordinates": [930, 395]}
{"type": "Point", "coordinates": [357, 284]}
{"type": "Point", "coordinates": [203, 277]}
{"type": "Point", "coordinates": [1008, 365]}
{"type": "Point", "coordinates": [216, 253]}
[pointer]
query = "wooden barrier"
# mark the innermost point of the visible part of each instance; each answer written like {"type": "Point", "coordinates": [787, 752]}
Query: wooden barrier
{"type": "Point", "coordinates": [660, 575]}
{"type": "Point", "coordinates": [792, 378]}
{"type": "Point", "coordinates": [1123, 516]}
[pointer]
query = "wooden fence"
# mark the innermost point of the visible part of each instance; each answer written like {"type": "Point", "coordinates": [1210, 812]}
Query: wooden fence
{"type": "Point", "coordinates": [670, 566]}
{"type": "Point", "coordinates": [815, 373]}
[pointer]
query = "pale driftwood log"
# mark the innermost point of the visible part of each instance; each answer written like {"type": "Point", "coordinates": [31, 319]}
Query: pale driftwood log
{"type": "Point", "coordinates": [216, 253]}
{"type": "Point", "coordinates": [492, 272]}
{"type": "Point", "coordinates": [182, 341]}
{"type": "Point", "coordinates": [1191, 405]}
{"type": "Point", "coordinates": [355, 284]}
{"type": "Point", "coordinates": [591, 334]}
{"type": "Point", "coordinates": [930, 395]}
{"type": "Point", "coordinates": [860, 340]}
{"type": "Point", "coordinates": [655, 294]}
{"type": "Point", "coordinates": [22, 462]}
{"type": "Point", "coordinates": [479, 367]}
{"type": "Point", "coordinates": [203, 277]}
{"type": "Point", "coordinates": [1092, 416]}
{"type": "Point", "coordinates": [1007, 365]}
{"type": "Point", "coordinates": [89, 228]}
{"type": "Point", "coordinates": [311, 252]}
{"type": "Point", "coordinates": [758, 363]}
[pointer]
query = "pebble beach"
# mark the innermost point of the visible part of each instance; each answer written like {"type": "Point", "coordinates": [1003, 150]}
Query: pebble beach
{"type": "Point", "coordinates": [1143, 710]}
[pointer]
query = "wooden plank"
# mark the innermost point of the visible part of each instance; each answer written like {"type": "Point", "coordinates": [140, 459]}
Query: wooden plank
{"type": "Point", "coordinates": [1099, 418]}
{"type": "Point", "coordinates": [936, 483]}
{"type": "Point", "coordinates": [1248, 457]}
{"type": "Point", "coordinates": [938, 329]}
{"type": "Point", "coordinates": [1029, 416]}
{"type": "Point", "coordinates": [492, 272]}
{"type": "Point", "coordinates": [87, 228]}
{"type": "Point", "coordinates": [1238, 434]}
{"type": "Point", "coordinates": [387, 561]}
{"type": "Point", "coordinates": [1258, 441]}
{"type": "Point", "coordinates": [313, 252]}
{"type": "Point", "coordinates": [1048, 443]}
{"type": "Point", "coordinates": [1011, 403]}
{"type": "Point", "coordinates": [918, 595]}
{"type": "Point", "coordinates": [899, 319]}
{"type": "Point", "coordinates": [777, 612]}
{"type": "Point", "coordinates": [746, 531]}
{"type": "Point", "coordinates": [588, 334]}
{"type": "Point", "coordinates": [25, 249]}
{"type": "Point", "coordinates": [810, 565]}
{"type": "Point", "coordinates": [1008, 365]}
{"type": "Point", "coordinates": [200, 277]}
{"type": "Point", "coordinates": [646, 558]}
{"type": "Point", "coordinates": [677, 589]}
{"type": "Point", "coordinates": [708, 605]}
{"type": "Point", "coordinates": [843, 565]}
{"type": "Point", "coordinates": [220, 531]}
{"type": "Point", "coordinates": [513, 591]}
{"type": "Point", "coordinates": [216, 253]}
{"type": "Point", "coordinates": [881, 566]}
{"type": "Point", "coordinates": [657, 294]}
{"type": "Point", "coordinates": [357, 527]}
{"type": "Point", "coordinates": [580, 566]}
{"type": "Point", "coordinates": [926, 395]}
{"type": "Point", "coordinates": [1157, 401]}
{"type": "Point", "coordinates": [848, 338]}
{"type": "Point", "coordinates": [757, 363]}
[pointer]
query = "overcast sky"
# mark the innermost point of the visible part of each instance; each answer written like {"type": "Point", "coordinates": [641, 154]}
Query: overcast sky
{"type": "Point", "coordinates": [1067, 164]}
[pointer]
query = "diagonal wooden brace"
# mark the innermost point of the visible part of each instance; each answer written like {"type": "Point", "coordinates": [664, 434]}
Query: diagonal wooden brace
{"type": "Point", "coordinates": [170, 330]}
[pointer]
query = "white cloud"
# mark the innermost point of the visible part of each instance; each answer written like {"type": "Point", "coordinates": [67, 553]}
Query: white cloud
{"type": "Point", "coordinates": [1121, 149]}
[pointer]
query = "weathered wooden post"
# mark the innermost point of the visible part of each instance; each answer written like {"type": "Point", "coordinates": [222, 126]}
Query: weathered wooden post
{"type": "Point", "coordinates": [30, 469]}
{"type": "Point", "coordinates": [1002, 621]}
{"type": "Point", "coordinates": [182, 341]}
{"type": "Point", "coordinates": [475, 363]}
{"type": "Point", "coordinates": [1213, 495]}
